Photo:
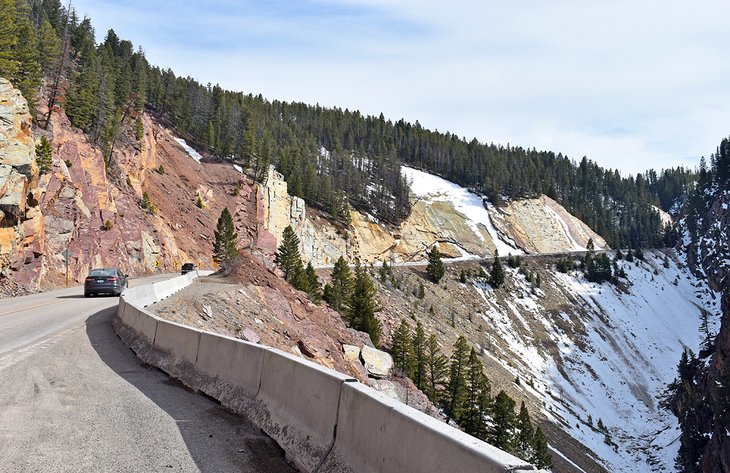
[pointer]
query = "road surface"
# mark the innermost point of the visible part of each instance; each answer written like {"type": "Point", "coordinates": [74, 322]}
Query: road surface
{"type": "Point", "coordinates": [73, 398]}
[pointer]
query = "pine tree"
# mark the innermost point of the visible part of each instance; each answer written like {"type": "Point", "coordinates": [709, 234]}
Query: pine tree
{"type": "Point", "coordinates": [502, 431]}
{"type": "Point", "coordinates": [685, 369]}
{"type": "Point", "coordinates": [139, 79]}
{"type": "Point", "coordinates": [82, 99]}
{"type": "Point", "coordinates": [28, 76]}
{"type": "Point", "coordinates": [629, 256]}
{"type": "Point", "coordinates": [225, 247]}
{"type": "Point", "coordinates": [419, 357]}
{"type": "Point", "coordinates": [435, 268]}
{"type": "Point", "coordinates": [477, 402]}
{"type": "Point", "coordinates": [311, 284]}
{"type": "Point", "coordinates": [337, 292]}
{"type": "Point", "coordinates": [147, 204]}
{"type": "Point", "coordinates": [496, 275]}
{"type": "Point", "coordinates": [139, 130]}
{"type": "Point", "coordinates": [402, 350]}
{"type": "Point", "coordinates": [524, 442]}
{"type": "Point", "coordinates": [262, 162]}
{"type": "Point", "coordinates": [363, 306]}
{"type": "Point", "coordinates": [598, 269]}
{"type": "Point", "coordinates": [384, 271]}
{"type": "Point", "coordinates": [49, 47]}
{"type": "Point", "coordinates": [455, 394]}
{"type": "Point", "coordinates": [44, 154]}
{"type": "Point", "coordinates": [590, 246]}
{"type": "Point", "coordinates": [541, 456]}
{"type": "Point", "coordinates": [9, 63]}
{"type": "Point", "coordinates": [288, 257]}
{"type": "Point", "coordinates": [707, 344]}
{"type": "Point", "coordinates": [421, 291]}
{"type": "Point", "coordinates": [436, 369]}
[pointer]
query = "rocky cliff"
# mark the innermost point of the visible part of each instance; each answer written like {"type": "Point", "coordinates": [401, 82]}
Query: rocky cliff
{"type": "Point", "coordinates": [21, 222]}
{"type": "Point", "coordinates": [543, 226]}
{"type": "Point", "coordinates": [538, 225]}
{"type": "Point", "coordinates": [94, 207]}
{"type": "Point", "coordinates": [701, 397]}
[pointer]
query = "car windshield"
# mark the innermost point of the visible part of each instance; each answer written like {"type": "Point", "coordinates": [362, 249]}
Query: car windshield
{"type": "Point", "coordinates": [103, 272]}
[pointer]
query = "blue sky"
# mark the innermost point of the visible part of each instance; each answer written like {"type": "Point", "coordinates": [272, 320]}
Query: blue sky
{"type": "Point", "coordinates": [631, 84]}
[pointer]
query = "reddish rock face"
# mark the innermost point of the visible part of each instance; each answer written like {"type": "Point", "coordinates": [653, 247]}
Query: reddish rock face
{"type": "Point", "coordinates": [93, 208]}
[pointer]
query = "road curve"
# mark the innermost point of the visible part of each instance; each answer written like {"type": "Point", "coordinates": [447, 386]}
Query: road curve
{"type": "Point", "coordinates": [73, 398]}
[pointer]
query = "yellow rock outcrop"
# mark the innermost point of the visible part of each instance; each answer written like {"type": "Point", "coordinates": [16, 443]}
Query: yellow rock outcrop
{"type": "Point", "coordinates": [536, 225]}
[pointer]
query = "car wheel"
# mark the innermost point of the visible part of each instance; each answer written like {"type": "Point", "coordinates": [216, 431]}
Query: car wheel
{"type": "Point", "coordinates": [86, 294]}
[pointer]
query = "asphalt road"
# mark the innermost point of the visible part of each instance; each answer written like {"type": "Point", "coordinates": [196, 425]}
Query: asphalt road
{"type": "Point", "coordinates": [74, 398]}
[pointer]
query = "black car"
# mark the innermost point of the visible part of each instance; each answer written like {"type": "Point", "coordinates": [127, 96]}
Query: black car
{"type": "Point", "coordinates": [105, 281]}
{"type": "Point", "coordinates": [187, 267]}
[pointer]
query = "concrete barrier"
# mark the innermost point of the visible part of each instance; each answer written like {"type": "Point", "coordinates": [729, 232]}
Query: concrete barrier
{"type": "Point", "coordinates": [180, 341]}
{"type": "Point", "coordinates": [299, 401]}
{"type": "Point", "coordinates": [146, 296]}
{"type": "Point", "coordinates": [377, 434]}
{"type": "Point", "coordinates": [165, 289]}
{"type": "Point", "coordinates": [325, 421]}
{"type": "Point", "coordinates": [138, 320]}
{"type": "Point", "coordinates": [232, 361]}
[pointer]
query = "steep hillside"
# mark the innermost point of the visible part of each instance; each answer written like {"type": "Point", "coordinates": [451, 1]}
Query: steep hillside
{"type": "Point", "coordinates": [254, 303]}
{"type": "Point", "coordinates": [582, 352]}
{"type": "Point", "coordinates": [98, 84]}
{"type": "Point", "coordinates": [701, 394]}
{"type": "Point", "coordinates": [460, 222]}
{"type": "Point", "coordinates": [95, 207]}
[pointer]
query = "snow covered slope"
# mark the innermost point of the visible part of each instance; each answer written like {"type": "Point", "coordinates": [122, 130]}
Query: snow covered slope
{"type": "Point", "coordinates": [435, 189]}
{"type": "Point", "coordinates": [607, 356]}
{"type": "Point", "coordinates": [536, 225]}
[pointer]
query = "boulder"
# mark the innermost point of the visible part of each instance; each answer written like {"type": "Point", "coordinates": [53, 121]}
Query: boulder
{"type": "Point", "coordinates": [406, 392]}
{"type": "Point", "coordinates": [352, 352]}
{"type": "Point", "coordinates": [250, 336]}
{"type": "Point", "coordinates": [305, 349]}
{"type": "Point", "coordinates": [377, 363]}
{"type": "Point", "coordinates": [13, 192]}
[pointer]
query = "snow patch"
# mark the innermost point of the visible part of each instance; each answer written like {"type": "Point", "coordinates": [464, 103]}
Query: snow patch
{"type": "Point", "coordinates": [193, 154]}
{"type": "Point", "coordinates": [435, 189]}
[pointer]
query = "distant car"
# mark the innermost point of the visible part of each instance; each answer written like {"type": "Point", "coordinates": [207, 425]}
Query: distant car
{"type": "Point", "coordinates": [187, 267]}
{"type": "Point", "coordinates": [105, 281]}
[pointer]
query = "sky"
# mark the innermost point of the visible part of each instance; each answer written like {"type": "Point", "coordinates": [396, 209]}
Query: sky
{"type": "Point", "coordinates": [631, 84]}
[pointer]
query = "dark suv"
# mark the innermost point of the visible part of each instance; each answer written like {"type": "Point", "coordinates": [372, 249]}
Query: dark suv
{"type": "Point", "coordinates": [105, 281]}
{"type": "Point", "coordinates": [187, 267]}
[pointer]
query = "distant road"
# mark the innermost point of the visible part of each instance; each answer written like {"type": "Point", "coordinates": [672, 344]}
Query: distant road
{"type": "Point", "coordinates": [477, 259]}
{"type": "Point", "coordinates": [73, 398]}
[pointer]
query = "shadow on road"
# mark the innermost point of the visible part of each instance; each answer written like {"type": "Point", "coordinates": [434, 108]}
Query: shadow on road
{"type": "Point", "coordinates": [74, 296]}
{"type": "Point", "coordinates": [217, 439]}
